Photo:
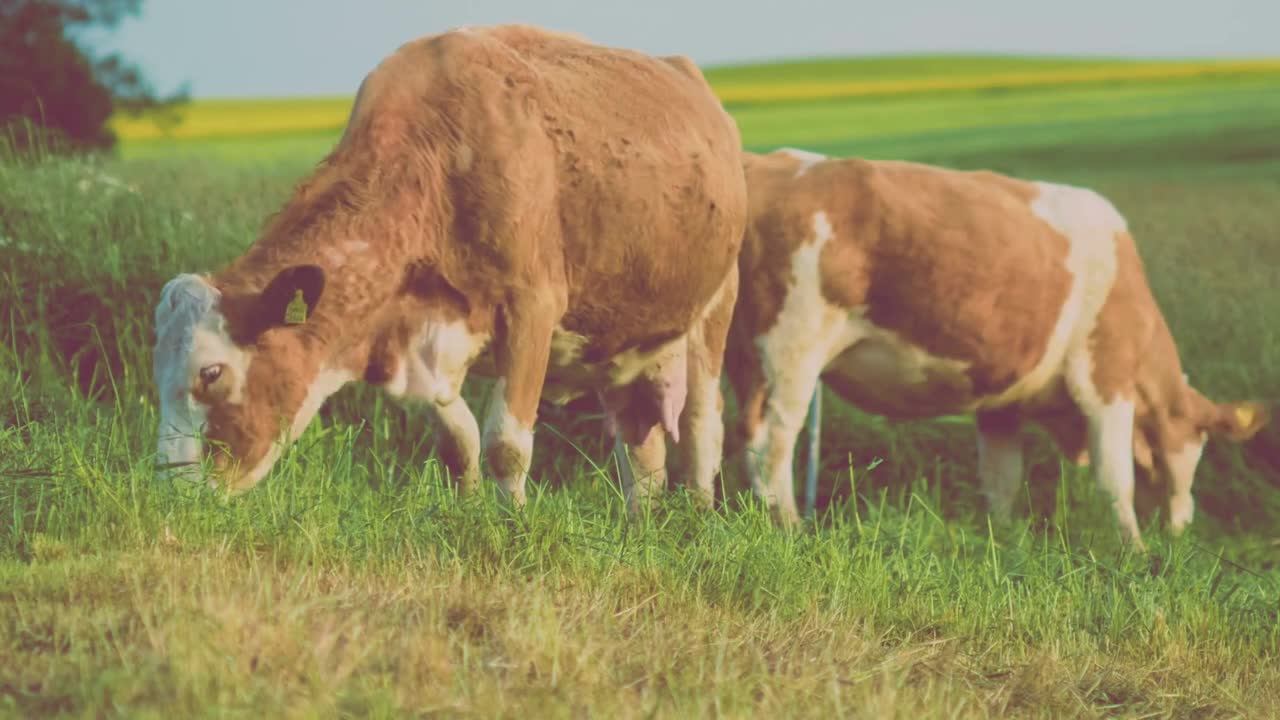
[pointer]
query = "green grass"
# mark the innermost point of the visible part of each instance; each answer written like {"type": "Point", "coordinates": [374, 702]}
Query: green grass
{"type": "Point", "coordinates": [353, 582]}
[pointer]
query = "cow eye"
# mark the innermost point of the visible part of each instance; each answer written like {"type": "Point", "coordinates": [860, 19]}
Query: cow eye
{"type": "Point", "coordinates": [209, 374]}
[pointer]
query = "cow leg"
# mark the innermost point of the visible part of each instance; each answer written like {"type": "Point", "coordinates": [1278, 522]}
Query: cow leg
{"type": "Point", "coordinates": [639, 415]}
{"type": "Point", "coordinates": [999, 460]}
{"type": "Point", "coordinates": [770, 449]}
{"type": "Point", "coordinates": [521, 350]}
{"type": "Point", "coordinates": [642, 466]}
{"type": "Point", "coordinates": [1111, 454]}
{"type": "Point", "coordinates": [702, 423]}
{"type": "Point", "coordinates": [746, 376]}
{"type": "Point", "coordinates": [460, 443]}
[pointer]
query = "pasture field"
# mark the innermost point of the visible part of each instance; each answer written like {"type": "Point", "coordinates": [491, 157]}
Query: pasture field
{"type": "Point", "coordinates": [354, 582]}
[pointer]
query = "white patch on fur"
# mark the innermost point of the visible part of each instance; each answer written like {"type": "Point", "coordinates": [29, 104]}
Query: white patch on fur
{"type": "Point", "coordinates": [627, 366]}
{"type": "Point", "coordinates": [808, 327]}
{"type": "Point", "coordinates": [569, 377]}
{"type": "Point", "coordinates": [1111, 450]}
{"type": "Point", "coordinates": [440, 357]}
{"type": "Point", "coordinates": [707, 424]}
{"type": "Point", "coordinates": [190, 334]}
{"type": "Point", "coordinates": [1181, 466]}
{"type": "Point", "coordinates": [808, 331]}
{"type": "Point", "coordinates": [811, 335]}
{"type": "Point", "coordinates": [566, 347]}
{"type": "Point", "coordinates": [1090, 224]}
{"type": "Point", "coordinates": [807, 159]}
{"type": "Point", "coordinates": [560, 386]}
{"type": "Point", "coordinates": [325, 384]}
{"type": "Point", "coordinates": [502, 428]}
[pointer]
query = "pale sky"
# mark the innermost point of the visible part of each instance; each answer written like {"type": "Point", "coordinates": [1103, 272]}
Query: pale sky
{"type": "Point", "coordinates": [237, 48]}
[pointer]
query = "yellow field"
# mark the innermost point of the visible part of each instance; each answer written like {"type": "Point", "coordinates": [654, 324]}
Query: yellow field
{"type": "Point", "coordinates": [838, 79]}
{"type": "Point", "coordinates": [778, 92]}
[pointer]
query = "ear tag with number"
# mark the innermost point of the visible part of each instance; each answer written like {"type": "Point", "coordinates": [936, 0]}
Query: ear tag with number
{"type": "Point", "coordinates": [296, 312]}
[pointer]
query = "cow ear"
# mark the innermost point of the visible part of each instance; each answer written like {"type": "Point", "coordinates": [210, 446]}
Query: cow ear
{"type": "Point", "coordinates": [1239, 421]}
{"type": "Point", "coordinates": [291, 296]}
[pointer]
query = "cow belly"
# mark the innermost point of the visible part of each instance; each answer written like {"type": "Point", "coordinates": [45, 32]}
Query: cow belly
{"type": "Point", "coordinates": [885, 374]}
{"type": "Point", "coordinates": [568, 373]}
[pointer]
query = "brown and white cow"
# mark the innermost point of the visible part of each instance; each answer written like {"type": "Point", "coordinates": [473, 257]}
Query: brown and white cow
{"type": "Point", "coordinates": [506, 199]}
{"type": "Point", "coordinates": [915, 291]}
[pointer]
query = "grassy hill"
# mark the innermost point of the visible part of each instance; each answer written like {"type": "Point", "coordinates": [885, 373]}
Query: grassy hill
{"type": "Point", "coordinates": [898, 104]}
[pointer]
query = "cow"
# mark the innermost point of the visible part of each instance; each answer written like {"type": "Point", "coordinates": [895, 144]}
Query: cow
{"type": "Point", "coordinates": [509, 201]}
{"type": "Point", "coordinates": [914, 291]}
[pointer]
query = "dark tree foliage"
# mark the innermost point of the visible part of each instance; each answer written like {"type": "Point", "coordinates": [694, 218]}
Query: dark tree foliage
{"type": "Point", "coordinates": [53, 87]}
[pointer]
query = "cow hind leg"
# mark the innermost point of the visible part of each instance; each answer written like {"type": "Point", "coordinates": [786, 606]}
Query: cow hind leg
{"type": "Point", "coordinates": [642, 466]}
{"type": "Point", "coordinates": [702, 422]}
{"type": "Point", "coordinates": [459, 446]}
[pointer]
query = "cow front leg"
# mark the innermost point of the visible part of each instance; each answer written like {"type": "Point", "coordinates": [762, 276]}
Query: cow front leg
{"type": "Point", "coordinates": [1111, 450]}
{"type": "Point", "coordinates": [1000, 461]}
{"type": "Point", "coordinates": [770, 449]}
{"type": "Point", "coordinates": [521, 349]}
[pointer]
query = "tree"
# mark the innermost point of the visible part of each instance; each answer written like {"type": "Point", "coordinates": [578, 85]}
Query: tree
{"type": "Point", "coordinates": [53, 85]}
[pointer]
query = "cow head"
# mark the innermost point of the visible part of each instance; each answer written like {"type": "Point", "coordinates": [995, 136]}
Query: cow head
{"type": "Point", "coordinates": [1171, 429]}
{"type": "Point", "coordinates": [238, 376]}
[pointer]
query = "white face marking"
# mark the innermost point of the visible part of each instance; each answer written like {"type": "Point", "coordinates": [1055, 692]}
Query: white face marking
{"type": "Point", "coordinates": [190, 334]}
{"type": "Point", "coordinates": [326, 383]}
{"type": "Point", "coordinates": [1181, 466]}
{"type": "Point", "coordinates": [807, 159]}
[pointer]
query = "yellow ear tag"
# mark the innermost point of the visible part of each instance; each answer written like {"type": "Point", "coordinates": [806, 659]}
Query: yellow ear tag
{"type": "Point", "coordinates": [296, 312]}
{"type": "Point", "coordinates": [1245, 416]}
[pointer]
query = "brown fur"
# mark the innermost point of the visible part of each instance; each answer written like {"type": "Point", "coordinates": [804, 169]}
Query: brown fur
{"type": "Point", "coordinates": [517, 177]}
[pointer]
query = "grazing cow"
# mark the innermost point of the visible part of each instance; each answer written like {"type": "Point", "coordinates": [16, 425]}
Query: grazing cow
{"type": "Point", "coordinates": [915, 291]}
{"type": "Point", "coordinates": [509, 200]}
